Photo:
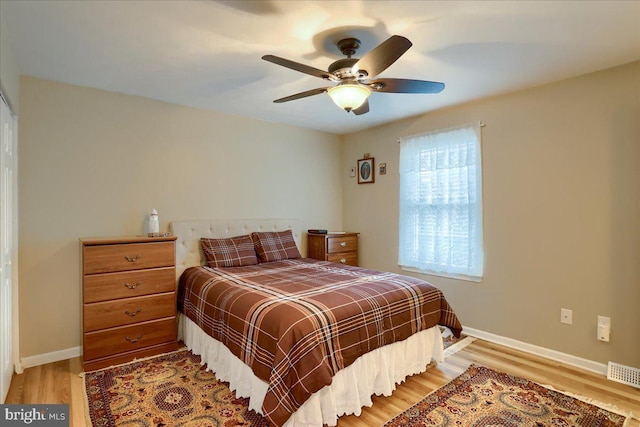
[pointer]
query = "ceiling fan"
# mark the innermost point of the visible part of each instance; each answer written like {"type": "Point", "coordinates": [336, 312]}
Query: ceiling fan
{"type": "Point", "coordinates": [353, 75]}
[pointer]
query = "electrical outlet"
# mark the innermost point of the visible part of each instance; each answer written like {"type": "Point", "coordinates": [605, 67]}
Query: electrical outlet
{"type": "Point", "coordinates": [604, 328]}
{"type": "Point", "coordinates": [604, 321]}
{"type": "Point", "coordinates": [566, 316]}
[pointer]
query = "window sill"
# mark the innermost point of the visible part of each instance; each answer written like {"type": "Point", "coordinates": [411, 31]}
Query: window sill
{"type": "Point", "coordinates": [463, 277]}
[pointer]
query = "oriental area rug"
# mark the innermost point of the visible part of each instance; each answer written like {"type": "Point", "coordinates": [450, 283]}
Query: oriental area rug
{"type": "Point", "coordinates": [484, 397]}
{"type": "Point", "coordinates": [163, 391]}
{"type": "Point", "coordinates": [175, 390]}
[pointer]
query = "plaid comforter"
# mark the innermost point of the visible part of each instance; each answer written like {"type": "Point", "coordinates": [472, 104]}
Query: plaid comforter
{"type": "Point", "coordinates": [296, 323]}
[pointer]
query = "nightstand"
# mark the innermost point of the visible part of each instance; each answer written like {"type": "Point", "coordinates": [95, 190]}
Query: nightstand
{"type": "Point", "coordinates": [334, 247]}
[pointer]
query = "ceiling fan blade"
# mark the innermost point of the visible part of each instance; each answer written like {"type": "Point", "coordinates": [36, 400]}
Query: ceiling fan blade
{"type": "Point", "coordinates": [302, 95]}
{"type": "Point", "coordinates": [363, 109]}
{"type": "Point", "coordinates": [299, 67]}
{"type": "Point", "coordinates": [382, 56]}
{"type": "Point", "coordinates": [405, 86]}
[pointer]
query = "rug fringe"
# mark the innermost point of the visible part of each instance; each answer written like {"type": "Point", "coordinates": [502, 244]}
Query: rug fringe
{"type": "Point", "coordinates": [135, 360]}
{"type": "Point", "coordinates": [602, 405]}
{"type": "Point", "coordinates": [87, 412]}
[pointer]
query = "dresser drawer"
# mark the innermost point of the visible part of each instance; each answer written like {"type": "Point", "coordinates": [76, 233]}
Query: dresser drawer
{"type": "Point", "coordinates": [342, 244]}
{"type": "Point", "coordinates": [126, 338]}
{"type": "Point", "coordinates": [348, 258]}
{"type": "Point", "coordinates": [130, 256]}
{"type": "Point", "coordinates": [102, 315]}
{"type": "Point", "coordinates": [106, 286]}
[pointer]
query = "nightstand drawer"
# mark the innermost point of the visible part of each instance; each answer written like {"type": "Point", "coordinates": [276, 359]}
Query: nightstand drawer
{"type": "Point", "coordinates": [130, 256]}
{"type": "Point", "coordinates": [108, 314]}
{"type": "Point", "coordinates": [348, 258]}
{"type": "Point", "coordinates": [107, 286]}
{"type": "Point", "coordinates": [126, 338]}
{"type": "Point", "coordinates": [342, 244]}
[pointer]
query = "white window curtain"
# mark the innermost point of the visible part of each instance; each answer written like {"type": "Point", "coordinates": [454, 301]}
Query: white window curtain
{"type": "Point", "coordinates": [441, 203]}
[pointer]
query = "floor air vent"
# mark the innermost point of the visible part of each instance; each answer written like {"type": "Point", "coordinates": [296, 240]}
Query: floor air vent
{"type": "Point", "coordinates": [624, 374]}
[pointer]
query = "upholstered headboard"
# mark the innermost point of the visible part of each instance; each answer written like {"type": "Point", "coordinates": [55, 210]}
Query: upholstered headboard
{"type": "Point", "coordinates": [188, 250]}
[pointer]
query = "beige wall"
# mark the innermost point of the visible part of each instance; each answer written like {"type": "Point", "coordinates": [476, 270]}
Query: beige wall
{"type": "Point", "coordinates": [561, 211]}
{"type": "Point", "coordinates": [94, 163]}
{"type": "Point", "coordinates": [9, 73]}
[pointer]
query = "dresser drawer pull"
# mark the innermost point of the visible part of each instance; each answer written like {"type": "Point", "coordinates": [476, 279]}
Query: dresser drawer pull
{"type": "Point", "coordinates": [134, 340]}
{"type": "Point", "coordinates": [343, 244]}
{"type": "Point", "coordinates": [135, 285]}
{"type": "Point", "coordinates": [133, 313]}
{"type": "Point", "coordinates": [134, 259]}
{"type": "Point", "coordinates": [343, 260]}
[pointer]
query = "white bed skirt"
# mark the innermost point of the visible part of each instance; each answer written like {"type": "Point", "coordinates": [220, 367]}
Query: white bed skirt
{"type": "Point", "coordinates": [376, 372]}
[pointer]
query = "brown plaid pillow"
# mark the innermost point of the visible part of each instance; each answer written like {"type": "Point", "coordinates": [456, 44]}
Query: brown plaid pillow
{"type": "Point", "coordinates": [231, 252]}
{"type": "Point", "coordinates": [275, 246]}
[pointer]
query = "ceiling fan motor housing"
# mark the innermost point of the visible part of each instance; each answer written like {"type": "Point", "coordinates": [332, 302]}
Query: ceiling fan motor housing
{"type": "Point", "coordinates": [342, 68]}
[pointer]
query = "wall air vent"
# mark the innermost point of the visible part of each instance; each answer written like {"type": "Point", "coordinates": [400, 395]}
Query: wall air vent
{"type": "Point", "coordinates": [623, 374]}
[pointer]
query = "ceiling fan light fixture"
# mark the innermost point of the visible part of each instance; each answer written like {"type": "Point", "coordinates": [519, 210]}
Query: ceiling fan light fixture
{"type": "Point", "coordinates": [349, 96]}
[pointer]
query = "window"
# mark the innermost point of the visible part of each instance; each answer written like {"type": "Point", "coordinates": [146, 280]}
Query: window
{"type": "Point", "coordinates": [441, 203]}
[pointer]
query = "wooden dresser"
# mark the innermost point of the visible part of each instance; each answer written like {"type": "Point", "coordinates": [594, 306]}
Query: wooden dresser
{"type": "Point", "coordinates": [129, 299]}
{"type": "Point", "coordinates": [342, 248]}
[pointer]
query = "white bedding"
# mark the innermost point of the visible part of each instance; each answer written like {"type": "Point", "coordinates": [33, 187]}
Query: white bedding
{"type": "Point", "coordinates": [376, 372]}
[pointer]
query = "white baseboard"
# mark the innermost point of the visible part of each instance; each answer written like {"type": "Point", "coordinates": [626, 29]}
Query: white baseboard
{"type": "Point", "coordinates": [54, 356]}
{"type": "Point", "coordinates": [589, 365]}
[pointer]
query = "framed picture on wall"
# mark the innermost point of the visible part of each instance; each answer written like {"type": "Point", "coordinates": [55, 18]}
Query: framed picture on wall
{"type": "Point", "coordinates": [366, 171]}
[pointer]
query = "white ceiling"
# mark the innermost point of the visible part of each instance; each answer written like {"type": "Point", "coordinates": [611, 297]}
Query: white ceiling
{"type": "Point", "coordinates": [207, 54]}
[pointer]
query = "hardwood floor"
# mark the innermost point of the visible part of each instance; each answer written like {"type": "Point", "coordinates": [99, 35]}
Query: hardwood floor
{"type": "Point", "coordinates": [60, 382]}
{"type": "Point", "coordinates": [543, 371]}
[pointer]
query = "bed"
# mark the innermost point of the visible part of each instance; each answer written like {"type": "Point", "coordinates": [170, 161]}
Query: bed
{"type": "Point", "coordinates": [305, 340]}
